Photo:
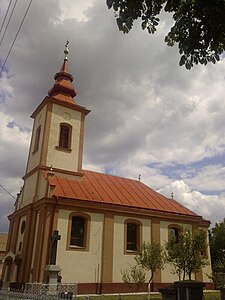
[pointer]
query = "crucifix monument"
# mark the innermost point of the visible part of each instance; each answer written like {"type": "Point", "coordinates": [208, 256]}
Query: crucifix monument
{"type": "Point", "coordinates": [54, 242]}
{"type": "Point", "coordinates": [52, 270]}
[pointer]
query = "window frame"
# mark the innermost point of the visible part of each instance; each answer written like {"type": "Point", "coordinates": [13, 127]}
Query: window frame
{"type": "Point", "coordinates": [87, 220]}
{"type": "Point", "coordinates": [69, 139]}
{"type": "Point", "coordinates": [37, 139]}
{"type": "Point", "coordinates": [175, 227]}
{"type": "Point", "coordinates": [138, 238]}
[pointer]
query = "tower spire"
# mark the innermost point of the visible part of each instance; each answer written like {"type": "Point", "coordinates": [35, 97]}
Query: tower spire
{"type": "Point", "coordinates": [63, 88]}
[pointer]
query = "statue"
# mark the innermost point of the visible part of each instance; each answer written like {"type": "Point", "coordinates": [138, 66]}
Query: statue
{"type": "Point", "coordinates": [53, 249]}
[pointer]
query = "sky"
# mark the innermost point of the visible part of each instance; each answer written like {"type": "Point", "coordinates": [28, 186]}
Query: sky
{"type": "Point", "coordinates": [148, 115]}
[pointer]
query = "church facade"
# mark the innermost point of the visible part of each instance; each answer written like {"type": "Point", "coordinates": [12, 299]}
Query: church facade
{"type": "Point", "coordinates": [102, 219]}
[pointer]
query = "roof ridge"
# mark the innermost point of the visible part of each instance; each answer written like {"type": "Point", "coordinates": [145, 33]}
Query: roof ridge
{"type": "Point", "coordinates": [111, 175]}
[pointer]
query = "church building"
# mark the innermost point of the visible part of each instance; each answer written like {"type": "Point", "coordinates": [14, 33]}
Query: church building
{"type": "Point", "coordinates": [102, 219]}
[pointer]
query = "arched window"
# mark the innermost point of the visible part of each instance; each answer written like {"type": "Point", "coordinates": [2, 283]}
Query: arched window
{"type": "Point", "coordinates": [22, 228]}
{"type": "Point", "coordinates": [174, 232]}
{"type": "Point", "coordinates": [65, 136]}
{"type": "Point", "coordinates": [133, 235]}
{"type": "Point", "coordinates": [79, 231]}
{"type": "Point", "coordinates": [37, 139]}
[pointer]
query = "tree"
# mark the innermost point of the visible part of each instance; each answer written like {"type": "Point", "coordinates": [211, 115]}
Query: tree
{"type": "Point", "coordinates": [198, 29]}
{"type": "Point", "coordinates": [135, 275]}
{"type": "Point", "coordinates": [187, 253]}
{"type": "Point", "coordinates": [217, 247]}
{"type": "Point", "coordinates": [151, 257]}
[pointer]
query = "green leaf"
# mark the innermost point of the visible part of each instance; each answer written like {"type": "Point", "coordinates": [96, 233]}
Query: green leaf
{"type": "Point", "coordinates": [217, 57]}
{"type": "Point", "coordinates": [195, 29]}
{"type": "Point", "coordinates": [213, 59]}
{"type": "Point", "coordinates": [182, 60]}
{"type": "Point", "coordinates": [109, 3]}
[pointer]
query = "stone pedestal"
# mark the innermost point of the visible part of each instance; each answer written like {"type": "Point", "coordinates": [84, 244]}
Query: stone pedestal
{"type": "Point", "coordinates": [51, 274]}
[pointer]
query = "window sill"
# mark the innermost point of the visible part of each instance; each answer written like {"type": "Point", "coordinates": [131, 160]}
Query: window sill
{"type": "Point", "coordinates": [68, 150]}
{"type": "Point", "coordinates": [131, 252]}
{"type": "Point", "coordinates": [76, 248]}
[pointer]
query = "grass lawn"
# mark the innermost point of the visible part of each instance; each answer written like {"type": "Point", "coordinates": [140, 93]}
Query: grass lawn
{"type": "Point", "coordinates": [215, 295]}
{"type": "Point", "coordinates": [212, 295]}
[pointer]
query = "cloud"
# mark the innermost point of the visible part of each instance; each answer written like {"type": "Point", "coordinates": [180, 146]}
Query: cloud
{"type": "Point", "coordinates": [14, 143]}
{"type": "Point", "coordinates": [80, 13]}
{"type": "Point", "coordinates": [11, 185]}
{"type": "Point", "coordinates": [210, 207]}
{"type": "Point", "coordinates": [209, 178]}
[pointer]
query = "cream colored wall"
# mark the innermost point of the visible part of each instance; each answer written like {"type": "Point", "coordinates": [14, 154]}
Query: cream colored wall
{"type": "Point", "coordinates": [41, 191]}
{"type": "Point", "coordinates": [60, 159]}
{"type": "Point", "coordinates": [28, 193]}
{"type": "Point", "coordinates": [20, 236]}
{"type": "Point", "coordinates": [122, 261]}
{"type": "Point", "coordinates": [19, 201]}
{"type": "Point", "coordinates": [167, 273]}
{"type": "Point", "coordinates": [71, 176]}
{"type": "Point", "coordinates": [34, 245]}
{"type": "Point", "coordinates": [34, 158]}
{"type": "Point", "coordinates": [29, 189]}
{"type": "Point", "coordinates": [80, 266]}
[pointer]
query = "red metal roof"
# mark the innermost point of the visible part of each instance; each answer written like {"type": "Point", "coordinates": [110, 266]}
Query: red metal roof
{"type": "Point", "coordinates": [109, 189]}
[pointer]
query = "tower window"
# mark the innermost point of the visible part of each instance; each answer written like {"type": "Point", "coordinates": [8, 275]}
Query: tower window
{"type": "Point", "coordinates": [65, 136]}
{"type": "Point", "coordinates": [23, 225]}
{"type": "Point", "coordinates": [37, 139]}
{"type": "Point", "coordinates": [132, 243]}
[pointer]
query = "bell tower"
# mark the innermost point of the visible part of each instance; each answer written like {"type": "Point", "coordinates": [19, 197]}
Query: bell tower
{"type": "Point", "coordinates": [58, 134]}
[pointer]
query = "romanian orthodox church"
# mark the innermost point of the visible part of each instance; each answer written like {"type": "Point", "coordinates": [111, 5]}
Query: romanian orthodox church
{"type": "Point", "coordinates": [102, 219]}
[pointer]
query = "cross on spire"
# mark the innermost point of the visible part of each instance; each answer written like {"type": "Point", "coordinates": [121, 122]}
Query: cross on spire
{"type": "Point", "coordinates": [66, 51]}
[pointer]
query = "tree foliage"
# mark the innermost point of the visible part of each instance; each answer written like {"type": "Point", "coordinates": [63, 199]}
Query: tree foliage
{"type": "Point", "coordinates": [135, 275]}
{"type": "Point", "coordinates": [151, 257]}
{"type": "Point", "coordinates": [198, 29]}
{"type": "Point", "coordinates": [186, 254]}
{"type": "Point", "coordinates": [217, 247]}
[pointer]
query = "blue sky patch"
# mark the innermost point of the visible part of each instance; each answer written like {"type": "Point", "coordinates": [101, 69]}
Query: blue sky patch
{"type": "Point", "coordinates": [12, 124]}
{"type": "Point", "coordinates": [173, 169]}
{"type": "Point", "coordinates": [177, 171]}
